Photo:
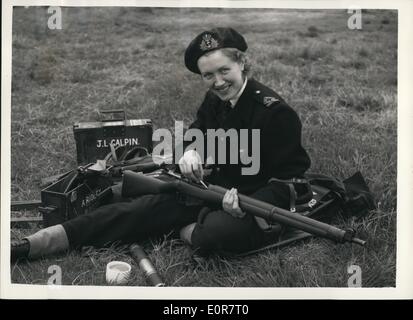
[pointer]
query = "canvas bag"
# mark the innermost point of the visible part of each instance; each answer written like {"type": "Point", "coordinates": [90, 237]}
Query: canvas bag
{"type": "Point", "coordinates": [351, 197]}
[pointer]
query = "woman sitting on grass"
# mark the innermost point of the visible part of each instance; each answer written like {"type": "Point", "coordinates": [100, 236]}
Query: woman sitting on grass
{"type": "Point", "coordinates": [233, 101]}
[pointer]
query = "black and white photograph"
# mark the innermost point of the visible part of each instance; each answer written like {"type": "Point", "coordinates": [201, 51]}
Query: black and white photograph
{"type": "Point", "coordinates": [203, 146]}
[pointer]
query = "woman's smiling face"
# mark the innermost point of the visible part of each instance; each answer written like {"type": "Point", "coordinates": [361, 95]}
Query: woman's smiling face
{"type": "Point", "coordinates": [222, 75]}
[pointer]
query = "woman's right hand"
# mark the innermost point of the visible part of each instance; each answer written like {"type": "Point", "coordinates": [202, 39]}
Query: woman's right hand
{"type": "Point", "coordinates": [190, 165]}
{"type": "Point", "coordinates": [230, 204]}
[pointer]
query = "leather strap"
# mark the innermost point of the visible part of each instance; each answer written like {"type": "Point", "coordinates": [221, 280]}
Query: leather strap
{"type": "Point", "coordinates": [262, 223]}
{"type": "Point", "coordinates": [293, 197]}
{"type": "Point", "coordinates": [290, 183]}
{"type": "Point", "coordinates": [292, 180]}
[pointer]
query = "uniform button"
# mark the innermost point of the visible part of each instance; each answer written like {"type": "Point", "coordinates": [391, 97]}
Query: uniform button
{"type": "Point", "coordinates": [258, 91]}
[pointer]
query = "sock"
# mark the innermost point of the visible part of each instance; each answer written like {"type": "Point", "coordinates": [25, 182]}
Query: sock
{"type": "Point", "coordinates": [48, 241]}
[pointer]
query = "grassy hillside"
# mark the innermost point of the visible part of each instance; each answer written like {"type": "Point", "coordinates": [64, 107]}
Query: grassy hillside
{"type": "Point", "coordinates": [342, 83]}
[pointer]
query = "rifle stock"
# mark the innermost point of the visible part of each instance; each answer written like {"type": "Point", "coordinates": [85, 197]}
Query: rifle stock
{"type": "Point", "coordinates": [136, 184]}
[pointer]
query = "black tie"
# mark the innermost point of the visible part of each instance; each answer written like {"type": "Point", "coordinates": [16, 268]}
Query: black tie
{"type": "Point", "coordinates": [226, 109]}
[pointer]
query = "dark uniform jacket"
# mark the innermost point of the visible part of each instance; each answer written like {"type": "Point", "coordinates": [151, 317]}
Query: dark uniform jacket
{"type": "Point", "coordinates": [281, 154]}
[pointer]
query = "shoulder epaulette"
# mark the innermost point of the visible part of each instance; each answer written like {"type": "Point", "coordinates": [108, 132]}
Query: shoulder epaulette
{"type": "Point", "coordinates": [268, 101]}
{"type": "Point", "coordinates": [266, 98]}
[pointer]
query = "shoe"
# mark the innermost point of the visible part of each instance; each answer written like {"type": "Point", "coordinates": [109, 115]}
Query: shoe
{"type": "Point", "coordinates": [19, 249]}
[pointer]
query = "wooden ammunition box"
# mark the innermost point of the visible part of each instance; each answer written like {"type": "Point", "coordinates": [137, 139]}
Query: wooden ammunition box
{"type": "Point", "coordinates": [93, 139]}
{"type": "Point", "coordinates": [68, 198]}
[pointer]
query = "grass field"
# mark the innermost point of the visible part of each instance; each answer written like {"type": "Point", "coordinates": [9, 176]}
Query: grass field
{"type": "Point", "coordinates": [342, 83]}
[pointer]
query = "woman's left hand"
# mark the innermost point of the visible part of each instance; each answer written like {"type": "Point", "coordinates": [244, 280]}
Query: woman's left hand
{"type": "Point", "coordinates": [230, 204]}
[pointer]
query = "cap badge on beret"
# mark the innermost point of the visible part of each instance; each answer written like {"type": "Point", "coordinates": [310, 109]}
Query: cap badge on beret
{"type": "Point", "coordinates": [208, 42]}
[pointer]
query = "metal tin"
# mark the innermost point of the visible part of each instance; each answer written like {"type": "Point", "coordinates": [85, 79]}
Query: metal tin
{"type": "Point", "coordinates": [93, 139]}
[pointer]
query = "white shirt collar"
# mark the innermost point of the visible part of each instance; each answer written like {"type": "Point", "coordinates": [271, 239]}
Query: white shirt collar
{"type": "Point", "coordinates": [235, 100]}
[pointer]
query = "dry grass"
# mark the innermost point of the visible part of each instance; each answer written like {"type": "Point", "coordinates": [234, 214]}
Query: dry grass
{"type": "Point", "coordinates": [343, 84]}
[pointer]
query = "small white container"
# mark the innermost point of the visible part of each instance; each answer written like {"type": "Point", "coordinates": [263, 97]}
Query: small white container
{"type": "Point", "coordinates": [117, 272]}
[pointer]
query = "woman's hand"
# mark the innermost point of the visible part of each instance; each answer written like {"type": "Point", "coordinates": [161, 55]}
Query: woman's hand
{"type": "Point", "coordinates": [230, 204]}
{"type": "Point", "coordinates": [191, 165]}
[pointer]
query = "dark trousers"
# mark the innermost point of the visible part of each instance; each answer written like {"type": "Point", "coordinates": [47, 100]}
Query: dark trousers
{"type": "Point", "coordinates": [130, 221]}
{"type": "Point", "coordinates": [141, 218]}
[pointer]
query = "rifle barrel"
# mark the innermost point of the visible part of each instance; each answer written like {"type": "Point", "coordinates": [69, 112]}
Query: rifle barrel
{"type": "Point", "coordinates": [139, 184]}
{"type": "Point", "coordinates": [270, 212]}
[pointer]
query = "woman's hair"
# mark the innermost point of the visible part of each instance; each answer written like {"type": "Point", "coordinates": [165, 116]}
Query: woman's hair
{"type": "Point", "coordinates": [237, 56]}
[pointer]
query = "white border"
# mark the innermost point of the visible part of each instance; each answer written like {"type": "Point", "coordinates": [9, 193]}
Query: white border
{"type": "Point", "coordinates": [404, 288]}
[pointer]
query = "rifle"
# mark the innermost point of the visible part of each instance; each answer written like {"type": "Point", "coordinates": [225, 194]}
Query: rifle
{"type": "Point", "coordinates": [136, 159]}
{"type": "Point", "coordinates": [136, 184]}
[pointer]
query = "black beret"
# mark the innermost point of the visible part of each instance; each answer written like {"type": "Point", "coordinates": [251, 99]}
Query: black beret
{"type": "Point", "coordinates": [213, 39]}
